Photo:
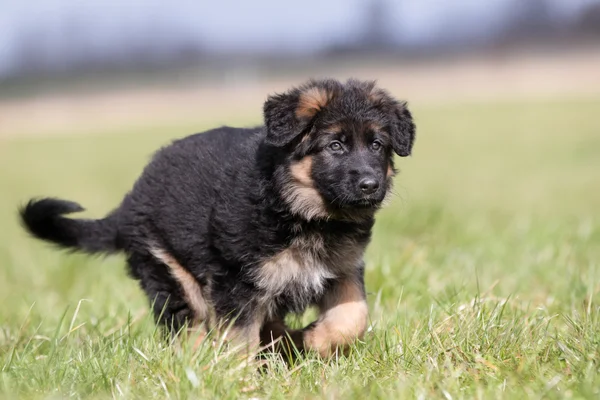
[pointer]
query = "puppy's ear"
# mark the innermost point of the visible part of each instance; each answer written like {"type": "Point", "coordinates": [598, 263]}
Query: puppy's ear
{"type": "Point", "coordinates": [402, 127]}
{"type": "Point", "coordinates": [290, 114]}
{"type": "Point", "coordinates": [403, 130]}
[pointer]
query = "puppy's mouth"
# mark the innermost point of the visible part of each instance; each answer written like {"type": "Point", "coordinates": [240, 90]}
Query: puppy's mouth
{"type": "Point", "coordinates": [362, 203]}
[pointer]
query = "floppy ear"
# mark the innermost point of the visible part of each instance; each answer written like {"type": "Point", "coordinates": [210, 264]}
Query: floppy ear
{"type": "Point", "coordinates": [280, 119]}
{"type": "Point", "coordinates": [290, 114]}
{"type": "Point", "coordinates": [402, 127]}
{"type": "Point", "coordinates": [402, 130]}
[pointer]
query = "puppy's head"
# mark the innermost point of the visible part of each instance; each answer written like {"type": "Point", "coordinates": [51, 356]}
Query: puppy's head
{"type": "Point", "coordinates": [339, 139]}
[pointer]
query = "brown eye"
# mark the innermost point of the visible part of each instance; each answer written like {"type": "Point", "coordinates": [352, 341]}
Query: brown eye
{"type": "Point", "coordinates": [335, 146]}
{"type": "Point", "coordinates": [376, 145]}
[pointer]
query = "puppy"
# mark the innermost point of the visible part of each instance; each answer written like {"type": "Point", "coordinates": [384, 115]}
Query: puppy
{"type": "Point", "coordinates": [240, 227]}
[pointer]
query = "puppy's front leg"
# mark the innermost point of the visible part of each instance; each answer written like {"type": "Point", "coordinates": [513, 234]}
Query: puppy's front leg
{"type": "Point", "coordinates": [343, 318]}
{"type": "Point", "coordinates": [246, 336]}
{"type": "Point", "coordinates": [243, 331]}
{"type": "Point", "coordinates": [278, 337]}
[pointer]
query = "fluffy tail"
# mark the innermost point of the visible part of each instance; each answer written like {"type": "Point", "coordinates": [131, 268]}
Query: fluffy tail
{"type": "Point", "coordinates": [44, 219]}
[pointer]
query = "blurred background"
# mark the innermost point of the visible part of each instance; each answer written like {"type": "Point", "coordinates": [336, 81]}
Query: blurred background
{"type": "Point", "coordinates": [64, 64]}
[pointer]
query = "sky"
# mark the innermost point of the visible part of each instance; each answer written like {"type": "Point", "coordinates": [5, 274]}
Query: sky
{"type": "Point", "coordinates": [229, 25]}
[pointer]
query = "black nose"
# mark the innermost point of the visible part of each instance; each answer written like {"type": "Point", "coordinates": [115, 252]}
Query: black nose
{"type": "Point", "coordinates": [368, 185]}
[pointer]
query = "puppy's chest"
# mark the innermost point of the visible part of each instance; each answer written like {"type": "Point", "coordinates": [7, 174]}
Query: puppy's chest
{"type": "Point", "coordinates": [300, 272]}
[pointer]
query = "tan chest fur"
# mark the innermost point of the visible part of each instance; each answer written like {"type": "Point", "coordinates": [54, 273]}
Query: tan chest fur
{"type": "Point", "coordinates": [302, 269]}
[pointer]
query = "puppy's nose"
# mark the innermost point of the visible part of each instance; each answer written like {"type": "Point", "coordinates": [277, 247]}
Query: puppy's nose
{"type": "Point", "coordinates": [368, 185]}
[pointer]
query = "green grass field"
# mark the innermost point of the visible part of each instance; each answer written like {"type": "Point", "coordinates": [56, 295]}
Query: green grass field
{"type": "Point", "coordinates": [483, 274]}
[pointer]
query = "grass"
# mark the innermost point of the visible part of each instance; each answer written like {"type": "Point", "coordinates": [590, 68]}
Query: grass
{"type": "Point", "coordinates": [483, 275]}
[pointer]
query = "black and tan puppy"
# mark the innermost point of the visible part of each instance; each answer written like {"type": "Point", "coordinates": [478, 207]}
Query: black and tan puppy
{"type": "Point", "coordinates": [248, 225]}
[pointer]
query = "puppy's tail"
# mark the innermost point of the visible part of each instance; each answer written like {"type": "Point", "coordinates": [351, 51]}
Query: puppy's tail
{"type": "Point", "coordinates": [44, 219]}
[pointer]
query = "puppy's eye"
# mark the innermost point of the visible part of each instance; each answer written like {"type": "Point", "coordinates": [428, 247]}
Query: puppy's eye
{"type": "Point", "coordinates": [376, 145]}
{"type": "Point", "coordinates": [335, 146]}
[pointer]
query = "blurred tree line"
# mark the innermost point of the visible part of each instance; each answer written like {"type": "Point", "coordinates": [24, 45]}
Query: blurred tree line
{"type": "Point", "coordinates": [525, 21]}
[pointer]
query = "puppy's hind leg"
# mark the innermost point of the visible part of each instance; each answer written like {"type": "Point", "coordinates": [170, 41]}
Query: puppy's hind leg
{"type": "Point", "coordinates": [176, 296]}
{"type": "Point", "coordinates": [239, 318]}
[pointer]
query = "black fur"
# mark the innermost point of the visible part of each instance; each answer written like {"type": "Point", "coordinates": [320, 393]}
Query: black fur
{"type": "Point", "coordinates": [223, 203]}
{"type": "Point", "coordinates": [44, 219]}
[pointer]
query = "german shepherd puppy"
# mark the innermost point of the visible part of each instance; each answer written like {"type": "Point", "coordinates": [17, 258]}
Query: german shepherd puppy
{"type": "Point", "coordinates": [243, 226]}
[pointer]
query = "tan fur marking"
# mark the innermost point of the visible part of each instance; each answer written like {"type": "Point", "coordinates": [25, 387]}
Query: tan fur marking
{"type": "Point", "coordinates": [302, 170]}
{"type": "Point", "coordinates": [292, 265]}
{"type": "Point", "coordinates": [300, 193]}
{"type": "Point", "coordinates": [335, 128]}
{"type": "Point", "coordinates": [344, 318]}
{"type": "Point", "coordinates": [200, 335]}
{"type": "Point", "coordinates": [374, 126]}
{"type": "Point", "coordinates": [191, 288]}
{"type": "Point", "coordinates": [304, 267]}
{"type": "Point", "coordinates": [377, 96]}
{"type": "Point", "coordinates": [248, 337]}
{"type": "Point", "coordinates": [245, 338]}
{"type": "Point", "coordinates": [390, 171]}
{"type": "Point", "coordinates": [311, 101]}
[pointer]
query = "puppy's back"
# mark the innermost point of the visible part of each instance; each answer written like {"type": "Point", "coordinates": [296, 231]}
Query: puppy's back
{"type": "Point", "coordinates": [187, 179]}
